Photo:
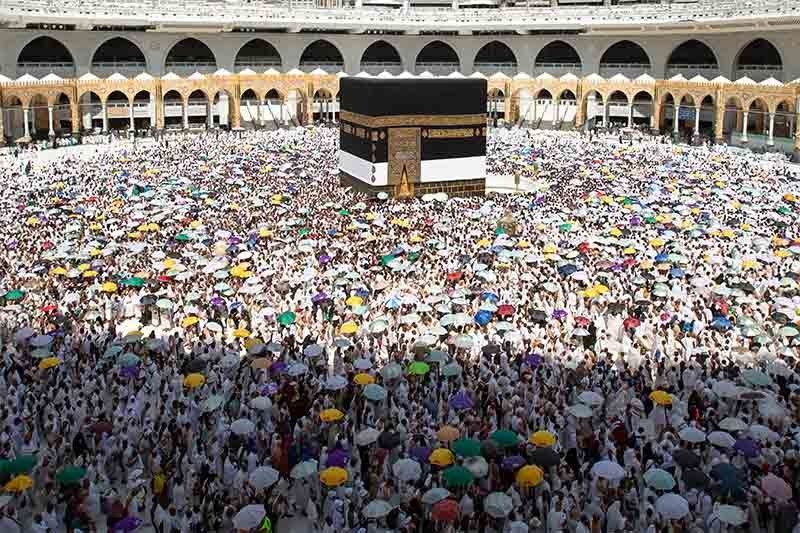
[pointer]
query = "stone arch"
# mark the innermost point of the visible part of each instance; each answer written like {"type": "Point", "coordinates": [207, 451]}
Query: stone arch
{"type": "Point", "coordinates": [758, 59]}
{"type": "Point", "coordinates": [13, 116]}
{"type": "Point", "coordinates": [189, 55]}
{"type": "Point", "coordinates": [592, 108]}
{"type": "Point", "coordinates": [496, 56]}
{"type": "Point", "coordinates": [173, 102]}
{"type": "Point", "coordinates": [692, 57]}
{"type": "Point", "coordinates": [118, 110]}
{"type": "Point", "coordinates": [557, 58]}
{"type": "Point", "coordinates": [322, 54]}
{"type": "Point", "coordinates": [626, 57]}
{"type": "Point", "coordinates": [323, 105]}
{"type": "Point", "coordinates": [144, 109]}
{"type": "Point", "coordinates": [221, 108]}
{"type": "Point", "coordinates": [44, 54]}
{"type": "Point", "coordinates": [90, 110]}
{"type": "Point", "coordinates": [380, 56]}
{"type": "Point", "coordinates": [257, 54]}
{"type": "Point", "coordinates": [437, 57]}
{"type": "Point", "coordinates": [785, 116]}
{"type": "Point", "coordinates": [118, 54]}
{"type": "Point", "coordinates": [37, 106]}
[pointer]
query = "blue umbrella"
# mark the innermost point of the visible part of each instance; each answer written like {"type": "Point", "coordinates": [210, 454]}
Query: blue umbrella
{"type": "Point", "coordinates": [461, 400]}
{"type": "Point", "coordinates": [677, 273]}
{"type": "Point", "coordinates": [393, 303]}
{"type": "Point", "coordinates": [720, 323]}
{"type": "Point", "coordinates": [661, 258]}
{"type": "Point", "coordinates": [747, 447]}
{"type": "Point", "coordinates": [566, 270]}
{"type": "Point", "coordinates": [483, 317]}
{"type": "Point", "coordinates": [490, 297]}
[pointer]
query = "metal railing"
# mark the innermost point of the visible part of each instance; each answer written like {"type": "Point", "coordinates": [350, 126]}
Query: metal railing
{"type": "Point", "coordinates": [488, 68]}
{"type": "Point", "coordinates": [437, 68]}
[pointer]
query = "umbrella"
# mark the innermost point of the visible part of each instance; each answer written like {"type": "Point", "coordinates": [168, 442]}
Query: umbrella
{"type": "Point", "coordinates": [333, 476]}
{"type": "Point", "coordinates": [435, 495]}
{"type": "Point", "coordinates": [730, 514]}
{"type": "Point", "coordinates": [362, 378]}
{"type": "Point", "coordinates": [467, 447]}
{"type": "Point", "coordinates": [21, 465]}
{"type": "Point", "coordinates": [263, 477]}
{"type": "Point", "coordinates": [543, 439]}
{"type": "Point", "coordinates": [498, 504]}
{"type": "Point", "coordinates": [686, 458]}
{"type": "Point", "coordinates": [775, 487]}
{"type": "Point", "coordinates": [457, 476]}
{"type": "Point", "coordinates": [747, 447]}
{"type": "Point", "coordinates": [695, 479]}
{"type": "Point", "coordinates": [732, 424]}
{"type": "Point", "coordinates": [477, 465]}
{"type": "Point", "coordinates": [661, 397]}
{"type": "Point", "coordinates": [377, 509]}
{"type": "Point", "coordinates": [418, 368]}
{"type": "Point", "coordinates": [672, 506]}
{"type": "Point", "coordinates": [313, 350]}
{"type": "Point", "coordinates": [70, 475]}
{"type": "Point", "coordinates": [249, 517]}
{"type": "Point", "coordinates": [580, 411]}
{"type": "Point", "coordinates": [49, 362]}
{"type": "Point", "coordinates": [461, 400]}
{"type": "Point", "coordinates": [721, 439]}
{"type": "Point", "coordinates": [529, 476]}
{"type": "Point", "coordinates": [243, 426]}
{"type": "Point", "coordinates": [331, 415]}
{"type": "Point", "coordinates": [608, 470]}
{"type": "Point", "coordinates": [338, 457]}
{"type": "Point", "coordinates": [407, 470]}
{"type": "Point", "coordinates": [374, 392]}
{"type": "Point", "coordinates": [445, 511]}
{"type": "Point", "coordinates": [41, 340]}
{"type": "Point", "coordinates": [692, 434]}
{"type": "Point", "coordinates": [545, 457]}
{"type": "Point", "coordinates": [591, 398]}
{"type": "Point", "coordinates": [14, 295]}
{"type": "Point", "coordinates": [447, 434]}
{"type": "Point", "coordinates": [441, 457]}
{"type": "Point", "coordinates": [367, 436]}
{"type": "Point", "coordinates": [659, 479]}
{"type": "Point", "coordinates": [756, 377]}
{"type": "Point", "coordinates": [304, 469]}
{"type": "Point", "coordinates": [18, 484]}
{"type": "Point", "coordinates": [513, 462]}
{"type": "Point", "coordinates": [505, 438]}
{"type": "Point", "coordinates": [287, 318]}
{"type": "Point", "coordinates": [192, 381]}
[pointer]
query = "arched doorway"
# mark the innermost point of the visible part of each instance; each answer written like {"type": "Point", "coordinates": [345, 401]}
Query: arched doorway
{"type": "Point", "coordinates": [118, 55]}
{"type": "Point", "coordinates": [321, 55]}
{"type": "Point", "coordinates": [495, 106]}
{"type": "Point", "coordinates": [144, 111]}
{"type": "Point", "coordinates": [617, 109]}
{"type": "Point", "coordinates": [544, 112]}
{"type": "Point", "coordinates": [322, 108]}
{"type": "Point", "coordinates": [642, 110]}
{"type": "Point", "coordinates": [44, 55]}
{"type": "Point", "coordinates": [438, 58]}
{"type": "Point", "coordinates": [197, 115]}
{"type": "Point", "coordinates": [276, 108]}
{"type": "Point", "coordinates": [296, 107]}
{"type": "Point", "coordinates": [732, 123]}
{"type": "Point", "coordinates": [566, 109]}
{"type": "Point", "coordinates": [258, 55]}
{"type": "Point", "coordinates": [558, 58]}
{"type": "Point", "coordinates": [756, 122]}
{"type": "Point", "coordinates": [62, 115]}
{"type": "Point", "coordinates": [173, 110]}
{"type": "Point", "coordinates": [39, 117]}
{"type": "Point", "coordinates": [251, 110]}
{"type": "Point", "coordinates": [14, 119]}
{"type": "Point", "coordinates": [90, 108]}
{"type": "Point", "coordinates": [706, 118]}
{"type": "Point", "coordinates": [222, 109]}
{"type": "Point", "coordinates": [692, 58]}
{"type": "Point", "coordinates": [593, 110]}
{"type": "Point", "coordinates": [380, 56]}
{"type": "Point", "coordinates": [624, 57]}
{"type": "Point", "coordinates": [758, 61]}
{"type": "Point", "coordinates": [189, 56]}
{"type": "Point", "coordinates": [118, 111]}
{"type": "Point", "coordinates": [783, 125]}
{"type": "Point", "coordinates": [496, 57]}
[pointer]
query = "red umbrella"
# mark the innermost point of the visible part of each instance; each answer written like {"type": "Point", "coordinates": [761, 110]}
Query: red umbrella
{"type": "Point", "coordinates": [582, 321]}
{"type": "Point", "coordinates": [629, 262]}
{"type": "Point", "coordinates": [505, 310]}
{"type": "Point", "coordinates": [631, 323]}
{"type": "Point", "coordinates": [454, 276]}
{"type": "Point", "coordinates": [49, 308]}
{"type": "Point", "coordinates": [445, 511]}
{"type": "Point", "coordinates": [164, 279]}
{"type": "Point", "coordinates": [583, 247]}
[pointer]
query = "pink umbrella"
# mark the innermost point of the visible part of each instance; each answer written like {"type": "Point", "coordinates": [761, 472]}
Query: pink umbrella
{"type": "Point", "coordinates": [776, 488]}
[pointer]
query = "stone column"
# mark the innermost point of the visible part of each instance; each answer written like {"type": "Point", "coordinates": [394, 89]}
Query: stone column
{"type": "Point", "coordinates": [654, 116]}
{"type": "Point", "coordinates": [153, 112]}
{"type": "Point", "coordinates": [697, 119]}
{"type": "Point", "coordinates": [131, 116]}
{"type": "Point", "coordinates": [744, 126]}
{"type": "Point", "coordinates": [2, 126]}
{"type": "Point", "coordinates": [606, 112]}
{"type": "Point", "coordinates": [630, 115]}
{"type": "Point", "coordinates": [26, 120]}
{"type": "Point", "coordinates": [105, 116]}
{"type": "Point", "coordinates": [50, 131]}
{"type": "Point", "coordinates": [236, 116]}
{"type": "Point", "coordinates": [209, 113]}
{"type": "Point", "coordinates": [186, 113]}
{"type": "Point", "coordinates": [719, 121]}
{"type": "Point", "coordinates": [160, 111]}
{"type": "Point", "coordinates": [771, 138]}
{"type": "Point", "coordinates": [676, 113]}
{"type": "Point", "coordinates": [75, 115]}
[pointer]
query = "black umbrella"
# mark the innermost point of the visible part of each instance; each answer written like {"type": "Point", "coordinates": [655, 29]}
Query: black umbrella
{"type": "Point", "coordinates": [539, 316]}
{"type": "Point", "coordinates": [695, 479]}
{"type": "Point", "coordinates": [389, 439]}
{"type": "Point", "coordinates": [148, 299]}
{"type": "Point", "coordinates": [196, 365]}
{"type": "Point", "coordinates": [490, 349]}
{"type": "Point", "coordinates": [686, 458]}
{"type": "Point", "coordinates": [545, 457]}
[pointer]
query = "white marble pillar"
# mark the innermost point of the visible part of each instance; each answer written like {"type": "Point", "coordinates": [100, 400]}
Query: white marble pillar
{"type": "Point", "coordinates": [630, 115]}
{"type": "Point", "coordinates": [186, 114]}
{"type": "Point", "coordinates": [606, 113]}
{"type": "Point", "coordinates": [131, 117]}
{"type": "Point", "coordinates": [26, 119]}
{"type": "Point", "coordinates": [105, 116]}
{"type": "Point", "coordinates": [152, 111]}
{"type": "Point", "coordinates": [744, 126]}
{"type": "Point", "coordinates": [771, 138]}
{"type": "Point", "coordinates": [676, 118]}
{"type": "Point", "coordinates": [697, 120]}
{"type": "Point", "coordinates": [51, 132]}
{"type": "Point", "coordinates": [209, 114]}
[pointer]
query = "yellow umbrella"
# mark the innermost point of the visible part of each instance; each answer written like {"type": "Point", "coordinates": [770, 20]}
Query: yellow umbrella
{"type": "Point", "coordinates": [241, 333]}
{"type": "Point", "coordinates": [239, 273]}
{"type": "Point", "coordinates": [363, 379]}
{"type": "Point", "coordinates": [484, 243]}
{"type": "Point", "coordinates": [333, 476]}
{"type": "Point", "coordinates": [19, 484]}
{"type": "Point", "coordinates": [32, 221]}
{"type": "Point", "coordinates": [58, 271]}
{"type": "Point", "coordinates": [194, 224]}
{"type": "Point", "coordinates": [657, 243]}
{"type": "Point", "coordinates": [416, 238]}
{"type": "Point", "coordinates": [543, 439]}
{"type": "Point", "coordinates": [448, 434]}
{"type": "Point", "coordinates": [94, 252]}
{"type": "Point", "coordinates": [83, 267]}
{"type": "Point", "coordinates": [252, 341]}
{"type": "Point", "coordinates": [135, 235]}
{"type": "Point", "coordinates": [523, 244]}
{"type": "Point", "coordinates": [529, 476]}
{"type": "Point", "coordinates": [331, 415]}
{"type": "Point", "coordinates": [189, 321]}
{"type": "Point", "coordinates": [549, 248]}
{"type": "Point", "coordinates": [264, 232]}
{"type": "Point", "coordinates": [616, 232]}
{"type": "Point", "coordinates": [371, 216]}
{"type": "Point", "coordinates": [661, 397]}
{"type": "Point", "coordinates": [600, 289]}
{"type": "Point", "coordinates": [353, 301]}
{"type": "Point", "coordinates": [348, 328]}
{"type": "Point", "coordinates": [108, 286]}
{"type": "Point", "coordinates": [170, 262]}
{"type": "Point", "coordinates": [90, 273]}
{"type": "Point", "coordinates": [441, 457]}
{"type": "Point", "coordinates": [629, 251]}
{"type": "Point", "coordinates": [783, 252]}
{"type": "Point", "coordinates": [192, 381]}
{"type": "Point", "coordinates": [49, 362]}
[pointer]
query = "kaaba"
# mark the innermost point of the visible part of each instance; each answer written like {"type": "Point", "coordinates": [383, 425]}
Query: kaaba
{"type": "Point", "coordinates": [410, 137]}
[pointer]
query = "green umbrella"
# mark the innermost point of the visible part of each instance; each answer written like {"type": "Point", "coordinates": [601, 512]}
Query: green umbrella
{"type": "Point", "coordinates": [418, 368]}
{"type": "Point", "coordinates": [386, 259]}
{"type": "Point", "coordinates": [344, 212]}
{"type": "Point", "coordinates": [467, 447]}
{"type": "Point", "coordinates": [565, 227]}
{"type": "Point", "coordinates": [132, 282]}
{"type": "Point", "coordinates": [500, 231]}
{"type": "Point", "coordinates": [21, 465]}
{"type": "Point", "coordinates": [287, 318]}
{"type": "Point", "coordinates": [505, 438]}
{"type": "Point", "coordinates": [128, 359]}
{"type": "Point", "coordinates": [650, 220]}
{"type": "Point", "coordinates": [181, 237]}
{"type": "Point", "coordinates": [458, 476]}
{"type": "Point", "coordinates": [374, 392]}
{"type": "Point", "coordinates": [70, 475]}
{"type": "Point", "coordinates": [304, 232]}
{"type": "Point", "coordinates": [413, 256]}
{"type": "Point", "coordinates": [16, 294]}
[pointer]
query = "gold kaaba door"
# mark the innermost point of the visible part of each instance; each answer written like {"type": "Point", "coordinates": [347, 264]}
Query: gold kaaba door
{"type": "Point", "coordinates": [404, 160]}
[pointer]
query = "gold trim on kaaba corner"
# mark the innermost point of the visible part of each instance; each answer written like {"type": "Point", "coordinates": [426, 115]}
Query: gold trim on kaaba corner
{"type": "Point", "coordinates": [411, 120]}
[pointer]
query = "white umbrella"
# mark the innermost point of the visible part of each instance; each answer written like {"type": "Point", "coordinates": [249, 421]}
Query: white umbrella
{"type": "Point", "coordinates": [435, 495]}
{"type": "Point", "coordinates": [730, 514]}
{"type": "Point", "coordinates": [721, 439]}
{"type": "Point", "coordinates": [732, 424]}
{"type": "Point", "coordinates": [261, 403]}
{"type": "Point", "coordinates": [725, 389]}
{"type": "Point", "coordinates": [297, 369]}
{"type": "Point", "coordinates": [243, 426]}
{"type": "Point", "coordinates": [41, 340]}
{"type": "Point", "coordinates": [580, 410]}
{"type": "Point", "coordinates": [498, 504]}
{"type": "Point", "coordinates": [362, 364]}
{"type": "Point", "coordinates": [24, 334]}
{"type": "Point", "coordinates": [263, 477]}
{"type": "Point", "coordinates": [763, 433]}
{"type": "Point", "coordinates": [692, 434]}
{"type": "Point", "coordinates": [336, 383]}
{"type": "Point", "coordinates": [212, 402]}
{"type": "Point", "coordinates": [591, 398]}
{"type": "Point", "coordinates": [249, 517]}
{"type": "Point", "coordinates": [304, 469]}
{"type": "Point", "coordinates": [608, 470]}
{"type": "Point", "coordinates": [367, 436]}
{"type": "Point", "coordinates": [407, 470]}
{"type": "Point", "coordinates": [672, 506]}
{"type": "Point", "coordinates": [377, 509]}
{"type": "Point", "coordinates": [477, 465]}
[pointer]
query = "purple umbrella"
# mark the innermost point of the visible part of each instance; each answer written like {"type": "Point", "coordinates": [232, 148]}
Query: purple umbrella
{"type": "Point", "coordinates": [420, 453]}
{"type": "Point", "coordinates": [216, 300]}
{"type": "Point", "coordinates": [512, 463]}
{"type": "Point", "coordinates": [461, 400]}
{"type": "Point", "coordinates": [635, 221]}
{"type": "Point", "coordinates": [747, 447]}
{"type": "Point", "coordinates": [320, 297]}
{"type": "Point", "coordinates": [279, 367]}
{"type": "Point", "coordinates": [269, 389]}
{"type": "Point", "coordinates": [534, 360]}
{"type": "Point", "coordinates": [234, 240]}
{"type": "Point", "coordinates": [558, 314]}
{"type": "Point", "coordinates": [126, 525]}
{"type": "Point", "coordinates": [324, 259]}
{"type": "Point", "coordinates": [129, 372]}
{"type": "Point", "coordinates": [338, 457]}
